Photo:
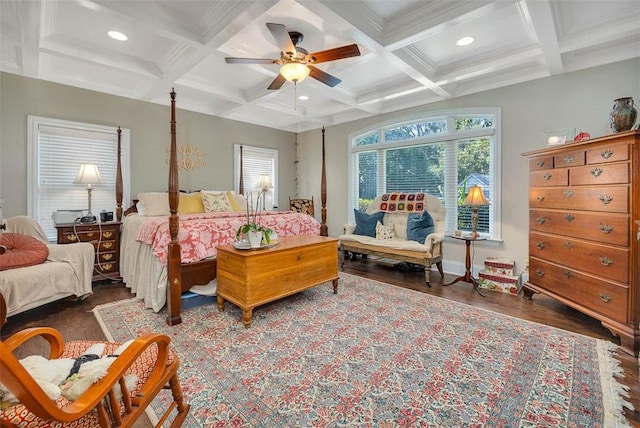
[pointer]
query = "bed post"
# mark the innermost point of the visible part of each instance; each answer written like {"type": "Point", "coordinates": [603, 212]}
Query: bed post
{"type": "Point", "coordinates": [174, 286]}
{"type": "Point", "coordinates": [323, 193]}
{"type": "Point", "coordinates": [119, 179]}
{"type": "Point", "coordinates": [241, 182]}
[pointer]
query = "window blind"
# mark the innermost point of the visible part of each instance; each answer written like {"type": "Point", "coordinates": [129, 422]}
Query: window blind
{"type": "Point", "coordinates": [256, 161]}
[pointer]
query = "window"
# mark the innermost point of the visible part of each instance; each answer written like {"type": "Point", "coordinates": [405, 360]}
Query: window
{"type": "Point", "coordinates": [256, 161]}
{"type": "Point", "coordinates": [56, 149]}
{"type": "Point", "coordinates": [442, 154]}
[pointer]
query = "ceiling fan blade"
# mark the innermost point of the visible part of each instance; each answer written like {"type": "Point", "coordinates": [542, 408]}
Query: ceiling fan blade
{"type": "Point", "coordinates": [323, 77]}
{"type": "Point", "coordinates": [277, 82]}
{"type": "Point", "coordinates": [230, 60]}
{"type": "Point", "coordinates": [280, 33]}
{"type": "Point", "coordinates": [335, 53]}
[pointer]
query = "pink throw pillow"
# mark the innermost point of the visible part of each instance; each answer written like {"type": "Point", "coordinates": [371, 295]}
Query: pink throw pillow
{"type": "Point", "coordinates": [22, 251]}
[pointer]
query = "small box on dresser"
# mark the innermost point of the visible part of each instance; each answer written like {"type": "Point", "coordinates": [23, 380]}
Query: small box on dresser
{"type": "Point", "coordinates": [105, 238]}
{"type": "Point", "coordinates": [583, 199]}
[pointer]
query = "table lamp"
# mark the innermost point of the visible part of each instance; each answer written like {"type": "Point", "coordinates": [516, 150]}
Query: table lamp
{"type": "Point", "coordinates": [88, 174]}
{"type": "Point", "coordinates": [264, 184]}
{"type": "Point", "coordinates": [475, 199]}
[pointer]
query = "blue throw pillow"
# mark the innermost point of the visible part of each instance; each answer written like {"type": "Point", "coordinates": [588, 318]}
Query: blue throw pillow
{"type": "Point", "coordinates": [366, 223]}
{"type": "Point", "coordinates": [419, 226]}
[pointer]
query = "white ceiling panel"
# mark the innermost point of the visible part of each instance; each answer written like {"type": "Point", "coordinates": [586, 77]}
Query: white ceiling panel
{"type": "Point", "coordinates": [407, 50]}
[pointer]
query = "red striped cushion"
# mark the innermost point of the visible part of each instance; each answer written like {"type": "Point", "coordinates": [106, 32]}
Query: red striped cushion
{"type": "Point", "coordinates": [22, 250]}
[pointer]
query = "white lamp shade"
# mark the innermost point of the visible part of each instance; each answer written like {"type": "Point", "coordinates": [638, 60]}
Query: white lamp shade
{"type": "Point", "coordinates": [294, 72]}
{"type": "Point", "coordinates": [88, 174]}
{"type": "Point", "coordinates": [264, 183]}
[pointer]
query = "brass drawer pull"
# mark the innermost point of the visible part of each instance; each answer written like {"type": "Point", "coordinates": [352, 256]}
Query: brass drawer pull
{"type": "Point", "coordinates": [568, 245]}
{"type": "Point", "coordinates": [569, 158]}
{"type": "Point", "coordinates": [596, 171]}
{"type": "Point", "coordinates": [569, 217]}
{"type": "Point", "coordinates": [547, 176]}
{"type": "Point", "coordinates": [107, 256]}
{"type": "Point", "coordinates": [540, 198]}
{"type": "Point", "coordinates": [106, 266]}
{"type": "Point", "coordinates": [540, 273]}
{"type": "Point", "coordinates": [540, 245]}
{"type": "Point", "coordinates": [540, 163]}
{"type": "Point", "coordinates": [107, 234]}
{"type": "Point", "coordinates": [540, 220]}
{"type": "Point", "coordinates": [71, 237]}
{"type": "Point", "coordinates": [605, 228]}
{"type": "Point", "coordinates": [606, 154]}
{"type": "Point", "coordinates": [569, 193]}
{"type": "Point", "coordinates": [606, 199]}
{"type": "Point", "coordinates": [604, 297]}
{"type": "Point", "coordinates": [606, 261]}
{"type": "Point", "coordinates": [89, 234]}
{"type": "Point", "coordinates": [568, 274]}
{"type": "Point", "coordinates": [107, 244]}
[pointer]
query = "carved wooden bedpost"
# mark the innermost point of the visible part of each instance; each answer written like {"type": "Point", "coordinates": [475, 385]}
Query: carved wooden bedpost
{"type": "Point", "coordinates": [323, 193]}
{"type": "Point", "coordinates": [241, 182]}
{"type": "Point", "coordinates": [119, 179]}
{"type": "Point", "coordinates": [174, 273]}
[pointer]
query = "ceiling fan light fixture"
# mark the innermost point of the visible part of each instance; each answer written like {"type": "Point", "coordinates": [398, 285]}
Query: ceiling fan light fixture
{"type": "Point", "coordinates": [465, 41]}
{"type": "Point", "coordinates": [117, 35]}
{"type": "Point", "coordinates": [294, 72]}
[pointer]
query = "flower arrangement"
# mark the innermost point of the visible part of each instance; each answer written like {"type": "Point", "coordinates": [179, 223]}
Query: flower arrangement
{"type": "Point", "coordinates": [251, 224]}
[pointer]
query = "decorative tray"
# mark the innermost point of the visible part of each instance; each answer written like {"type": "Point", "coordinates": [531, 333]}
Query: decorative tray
{"type": "Point", "coordinates": [244, 245]}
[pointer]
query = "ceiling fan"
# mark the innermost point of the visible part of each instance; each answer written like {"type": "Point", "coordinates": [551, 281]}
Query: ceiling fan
{"type": "Point", "coordinates": [296, 62]}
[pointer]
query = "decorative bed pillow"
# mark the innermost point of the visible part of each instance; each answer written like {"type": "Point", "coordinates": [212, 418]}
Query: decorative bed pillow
{"type": "Point", "coordinates": [385, 232]}
{"type": "Point", "coordinates": [190, 203]}
{"type": "Point", "coordinates": [154, 203]}
{"type": "Point", "coordinates": [366, 223]}
{"type": "Point", "coordinates": [22, 251]}
{"type": "Point", "coordinates": [419, 226]}
{"type": "Point", "coordinates": [215, 202]}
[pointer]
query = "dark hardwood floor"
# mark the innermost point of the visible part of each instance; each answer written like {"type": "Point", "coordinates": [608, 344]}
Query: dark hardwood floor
{"type": "Point", "coordinates": [76, 321]}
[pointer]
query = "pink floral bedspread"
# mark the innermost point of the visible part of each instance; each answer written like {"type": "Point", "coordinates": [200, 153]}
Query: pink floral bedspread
{"type": "Point", "coordinates": [200, 234]}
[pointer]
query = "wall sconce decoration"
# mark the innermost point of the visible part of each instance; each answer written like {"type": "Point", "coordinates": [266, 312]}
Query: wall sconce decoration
{"type": "Point", "coordinates": [189, 157]}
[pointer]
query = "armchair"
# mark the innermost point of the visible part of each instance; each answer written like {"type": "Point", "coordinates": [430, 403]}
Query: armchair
{"type": "Point", "coordinates": [149, 357]}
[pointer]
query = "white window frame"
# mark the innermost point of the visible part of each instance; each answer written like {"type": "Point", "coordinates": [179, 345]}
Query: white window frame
{"type": "Point", "coordinates": [250, 153]}
{"type": "Point", "coordinates": [450, 194]}
{"type": "Point", "coordinates": [80, 192]}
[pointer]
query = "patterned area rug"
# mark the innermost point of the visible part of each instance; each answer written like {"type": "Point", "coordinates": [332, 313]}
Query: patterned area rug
{"type": "Point", "coordinates": [377, 355]}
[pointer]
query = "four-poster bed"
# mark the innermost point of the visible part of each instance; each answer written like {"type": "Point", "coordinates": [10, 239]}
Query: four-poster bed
{"type": "Point", "coordinates": [174, 272]}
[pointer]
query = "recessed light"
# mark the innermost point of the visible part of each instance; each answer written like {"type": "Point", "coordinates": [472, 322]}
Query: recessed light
{"type": "Point", "coordinates": [117, 35]}
{"type": "Point", "coordinates": [465, 41]}
{"type": "Point", "coordinates": [303, 97]}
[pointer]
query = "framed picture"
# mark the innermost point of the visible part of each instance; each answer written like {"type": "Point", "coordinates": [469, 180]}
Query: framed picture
{"type": "Point", "coordinates": [558, 136]}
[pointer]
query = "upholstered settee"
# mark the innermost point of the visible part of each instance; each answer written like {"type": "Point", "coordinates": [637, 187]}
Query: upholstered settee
{"type": "Point", "coordinates": [413, 238]}
{"type": "Point", "coordinates": [66, 271]}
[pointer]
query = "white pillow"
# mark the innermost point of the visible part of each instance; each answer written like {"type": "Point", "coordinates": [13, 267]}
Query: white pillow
{"type": "Point", "coordinates": [154, 203]}
{"type": "Point", "coordinates": [215, 202]}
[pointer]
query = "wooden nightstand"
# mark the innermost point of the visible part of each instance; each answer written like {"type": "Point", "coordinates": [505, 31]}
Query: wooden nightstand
{"type": "Point", "coordinates": [105, 238]}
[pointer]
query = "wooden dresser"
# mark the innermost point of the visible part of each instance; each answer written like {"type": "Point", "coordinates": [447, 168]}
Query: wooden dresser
{"type": "Point", "coordinates": [105, 238]}
{"type": "Point", "coordinates": [583, 203]}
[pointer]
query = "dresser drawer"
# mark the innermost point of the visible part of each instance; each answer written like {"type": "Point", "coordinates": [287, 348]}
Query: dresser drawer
{"type": "Point", "coordinates": [107, 267]}
{"type": "Point", "coordinates": [606, 261]}
{"type": "Point", "coordinates": [595, 294]}
{"type": "Point", "coordinates": [600, 174]}
{"type": "Point", "coordinates": [619, 152]}
{"type": "Point", "coordinates": [106, 257]}
{"type": "Point", "coordinates": [551, 177]}
{"type": "Point", "coordinates": [541, 163]}
{"type": "Point", "coordinates": [575, 158]}
{"type": "Point", "coordinates": [606, 199]}
{"type": "Point", "coordinates": [599, 227]}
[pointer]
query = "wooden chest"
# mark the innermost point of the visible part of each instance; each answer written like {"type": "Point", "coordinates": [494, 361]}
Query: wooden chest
{"type": "Point", "coordinates": [105, 238]}
{"type": "Point", "coordinates": [583, 249]}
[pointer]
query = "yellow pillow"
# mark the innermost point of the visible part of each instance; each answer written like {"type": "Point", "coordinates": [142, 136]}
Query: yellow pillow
{"type": "Point", "coordinates": [235, 206]}
{"type": "Point", "coordinates": [190, 203]}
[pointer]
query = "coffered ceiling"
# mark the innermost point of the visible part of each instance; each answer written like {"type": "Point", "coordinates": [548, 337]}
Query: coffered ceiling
{"type": "Point", "coordinates": [408, 50]}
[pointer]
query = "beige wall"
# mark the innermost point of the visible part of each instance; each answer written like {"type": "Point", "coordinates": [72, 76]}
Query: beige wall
{"type": "Point", "coordinates": [580, 100]}
{"type": "Point", "coordinates": [150, 136]}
